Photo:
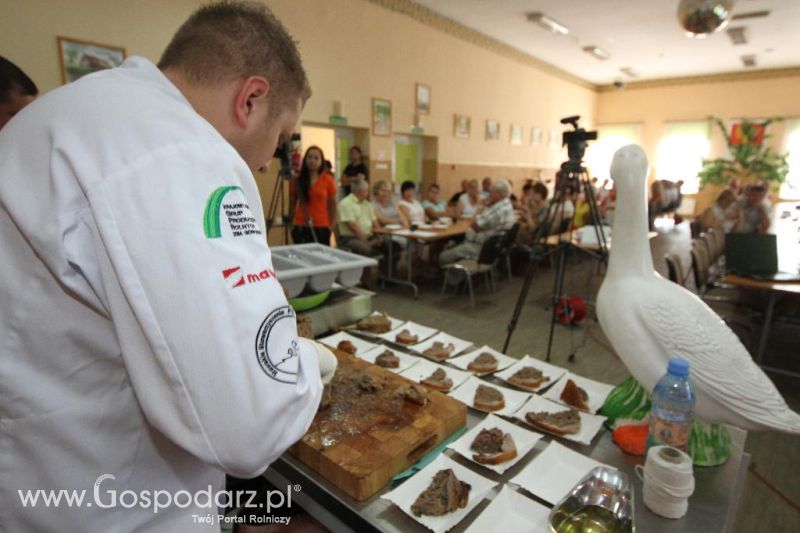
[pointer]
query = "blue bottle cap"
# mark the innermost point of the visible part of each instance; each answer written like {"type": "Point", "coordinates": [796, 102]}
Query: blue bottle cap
{"type": "Point", "coordinates": [678, 367]}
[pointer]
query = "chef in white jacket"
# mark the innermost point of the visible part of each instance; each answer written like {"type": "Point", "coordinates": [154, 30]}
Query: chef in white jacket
{"type": "Point", "coordinates": [146, 347]}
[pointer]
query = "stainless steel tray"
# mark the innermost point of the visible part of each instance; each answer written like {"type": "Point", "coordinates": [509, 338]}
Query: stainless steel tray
{"type": "Point", "coordinates": [603, 487]}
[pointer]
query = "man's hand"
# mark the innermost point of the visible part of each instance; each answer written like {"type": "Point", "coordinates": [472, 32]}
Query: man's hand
{"type": "Point", "coordinates": [327, 361]}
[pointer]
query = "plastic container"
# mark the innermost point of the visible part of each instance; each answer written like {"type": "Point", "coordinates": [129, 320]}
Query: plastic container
{"type": "Point", "coordinates": [673, 407]}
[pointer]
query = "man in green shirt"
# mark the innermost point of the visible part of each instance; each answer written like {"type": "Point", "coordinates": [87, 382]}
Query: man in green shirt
{"type": "Point", "coordinates": [357, 222]}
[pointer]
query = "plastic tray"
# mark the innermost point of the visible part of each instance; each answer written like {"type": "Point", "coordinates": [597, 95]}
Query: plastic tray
{"type": "Point", "coordinates": [316, 266]}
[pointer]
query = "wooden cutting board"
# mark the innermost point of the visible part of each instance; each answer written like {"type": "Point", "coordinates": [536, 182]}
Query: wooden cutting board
{"type": "Point", "coordinates": [363, 439]}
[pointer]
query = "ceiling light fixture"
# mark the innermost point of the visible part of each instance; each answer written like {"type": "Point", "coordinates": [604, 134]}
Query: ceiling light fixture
{"type": "Point", "coordinates": [548, 23]}
{"type": "Point", "coordinates": [737, 35]}
{"type": "Point", "coordinates": [702, 17]}
{"type": "Point", "coordinates": [751, 15]}
{"type": "Point", "coordinates": [628, 71]}
{"type": "Point", "coordinates": [749, 60]}
{"type": "Point", "coordinates": [597, 52]}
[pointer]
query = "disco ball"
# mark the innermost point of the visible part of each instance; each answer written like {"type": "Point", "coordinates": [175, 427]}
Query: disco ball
{"type": "Point", "coordinates": [702, 17]}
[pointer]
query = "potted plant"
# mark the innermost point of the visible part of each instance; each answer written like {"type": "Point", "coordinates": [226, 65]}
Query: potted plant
{"type": "Point", "coordinates": [751, 161]}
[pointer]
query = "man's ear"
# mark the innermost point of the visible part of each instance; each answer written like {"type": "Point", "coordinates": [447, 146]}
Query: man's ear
{"type": "Point", "coordinates": [251, 100]}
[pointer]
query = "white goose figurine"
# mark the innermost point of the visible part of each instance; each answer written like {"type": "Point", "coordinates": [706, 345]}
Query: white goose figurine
{"type": "Point", "coordinates": [649, 319]}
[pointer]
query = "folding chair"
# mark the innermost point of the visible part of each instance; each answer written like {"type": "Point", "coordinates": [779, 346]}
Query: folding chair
{"type": "Point", "coordinates": [484, 264]}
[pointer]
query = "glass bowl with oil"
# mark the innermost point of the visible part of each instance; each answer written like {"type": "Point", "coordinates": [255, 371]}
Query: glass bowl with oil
{"type": "Point", "coordinates": [602, 502]}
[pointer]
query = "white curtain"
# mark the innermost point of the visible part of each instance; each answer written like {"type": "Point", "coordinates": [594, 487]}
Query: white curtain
{"type": "Point", "coordinates": [681, 151]}
{"type": "Point", "coordinates": [610, 138]}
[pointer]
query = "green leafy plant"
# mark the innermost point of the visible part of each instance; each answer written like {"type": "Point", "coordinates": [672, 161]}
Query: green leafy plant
{"type": "Point", "coordinates": [751, 160]}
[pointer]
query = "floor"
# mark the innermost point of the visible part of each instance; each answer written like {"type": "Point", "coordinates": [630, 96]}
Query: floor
{"type": "Point", "coordinates": [775, 456]}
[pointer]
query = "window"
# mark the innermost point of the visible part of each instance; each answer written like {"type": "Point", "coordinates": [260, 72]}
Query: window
{"type": "Point", "coordinates": [610, 138]}
{"type": "Point", "coordinates": [791, 187]}
{"type": "Point", "coordinates": [681, 151]}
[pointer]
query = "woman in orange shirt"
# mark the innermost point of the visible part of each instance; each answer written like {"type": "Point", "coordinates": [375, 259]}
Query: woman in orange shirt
{"type": "Point", "coordinates": [313, 200]}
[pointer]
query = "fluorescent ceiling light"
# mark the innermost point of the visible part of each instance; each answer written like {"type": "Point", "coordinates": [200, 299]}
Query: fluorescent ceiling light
{"type": "Point", "coordinates": [751, 15]}
{"type": "Point", "coordinates": [749, 60]}
{"type": "Point", "coordinates": [737, 35]}
{"type": "Point", "coordinates": [548, 23]}
{"type": "Point", "coordinates": [628, 71]}
{"type": "Point", "coordinates": [597, 52]}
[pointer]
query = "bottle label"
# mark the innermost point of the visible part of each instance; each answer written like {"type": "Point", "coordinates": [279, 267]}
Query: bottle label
{"type": "Point", "coordinates": [671, 433]}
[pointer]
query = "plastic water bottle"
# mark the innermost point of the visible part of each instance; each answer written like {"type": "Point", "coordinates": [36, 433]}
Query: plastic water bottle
{"type": "Point", "coordinates": [673, 407]}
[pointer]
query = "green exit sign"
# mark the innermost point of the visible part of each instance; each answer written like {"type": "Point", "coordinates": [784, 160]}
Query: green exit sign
{"type": "Point", "coordinates": [337, 120]}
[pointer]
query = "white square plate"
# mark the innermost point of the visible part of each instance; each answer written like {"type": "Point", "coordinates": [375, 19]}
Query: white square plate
{"type": "Point", "coordinates": [444, 338]}
{"type": "Point", "coordinates": [406, 360]}
{"type": "Point", "coordinates": [361, 345]}
{"type": "Point", "coordinates": [463, 361]}
{"type": "Point", "coordinates": [596, 391]}
{"type": "Point", "coordinates": [590, 424]}
{"type": "Point", "coordinates": [425, 368]}
{"type": "Point", "coordinates": [466, 394]}
{"type": "Point", "coordinates": [523, 439]}
{"type": "Point", "coordinates": [512, 512]}
{"type": "Point", "coordinates": [406, 494]}
{"type": "Point", "coordinates": [554, 472]}
{"type": "Point", "coordinates": [549, 371]}
{"type": "Point", "coordinates": [422, 332]}
{"type": "Point", "coordinates": [396, 323]}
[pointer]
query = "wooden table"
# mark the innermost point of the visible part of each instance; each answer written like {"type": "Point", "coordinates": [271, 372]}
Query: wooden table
{"type": "Point", "coordinates": [420, 237]}
{"type": "Point", "coordinates": [773, 289]}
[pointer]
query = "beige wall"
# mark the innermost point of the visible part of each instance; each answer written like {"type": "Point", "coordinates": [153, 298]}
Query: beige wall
{"type": "Point", "coordinates": [652, 107]}
{"type": "Point", "coordinates": [353, 50]}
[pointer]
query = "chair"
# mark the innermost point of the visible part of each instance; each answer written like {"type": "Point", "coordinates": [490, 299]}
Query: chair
{"type": "Point", "coordinates": [507, 245]}
{"type": "Point", "coordinates": [484, 264]}
{"type": "Point", "coordinates": [675, 269]}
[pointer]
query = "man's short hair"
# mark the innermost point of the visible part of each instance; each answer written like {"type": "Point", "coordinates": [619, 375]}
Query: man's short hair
{"type": "Point", "coordinates": [541, 188]}
{"type": "Point", "coordinates": [359, 184]}
{"type": "Point", "coordinates": [502, 187]}
{"type": "Point", "coordinates": [231, 40]}
{"type": "Point", "coordinates": [13, 79]}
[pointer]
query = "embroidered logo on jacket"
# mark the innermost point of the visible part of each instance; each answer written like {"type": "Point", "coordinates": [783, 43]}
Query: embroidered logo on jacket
{"type": "Point", "coordinates": [236, 277]}
{"type": "Point", "coordinates": [277, 360]}
{"type": "Point", "coordinates": [227, 213]}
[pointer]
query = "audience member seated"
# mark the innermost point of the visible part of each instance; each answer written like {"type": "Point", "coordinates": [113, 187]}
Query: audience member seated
{"type": "Point", "coordinates": [312, 201]}
{"type": "Point", "coordinates": [409, 206]}
{"type": "Point", "coordinates": [562, 210]}
{"type": "Point", "coordinates": [583, 212]}
{"type": "Point", "coordinates": [355, 170]}
{"type": "Point", "coordinates": [497, 217]}
{"type": "Point", "coordinates": [723, 214]}
{"type": "Point", "coordinates": [470, 202]}
{"type": "Point", "coordinates": [753, 211]}
{"type": "Point", "coordinates": [385, 208]}
{"type": "Point", "coordinates": [453, 201]}
{"type": "Point", "coordinates": [486, 188]}
{"type": "Point", "coordinates": [357, 221]}
{"type": "Point", "coordinates": [433, 206]}
{"type": "Point", "coordinates": [533, 212]}
{"type": "Point", "coordinates": [665, 198]}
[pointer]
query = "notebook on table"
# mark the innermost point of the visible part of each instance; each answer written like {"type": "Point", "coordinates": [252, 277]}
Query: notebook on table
{"type": "Point", "coordinates": [754, 255]}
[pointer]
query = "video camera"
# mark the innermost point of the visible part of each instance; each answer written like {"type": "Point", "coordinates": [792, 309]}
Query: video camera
{"type": "Point", "coordinates": [284, 152]}
{"type": "Point", "coordinates": [576, 140]}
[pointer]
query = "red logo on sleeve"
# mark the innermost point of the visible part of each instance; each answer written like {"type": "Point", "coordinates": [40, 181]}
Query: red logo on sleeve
{"type": "Point", "coordinates": [236, 277]}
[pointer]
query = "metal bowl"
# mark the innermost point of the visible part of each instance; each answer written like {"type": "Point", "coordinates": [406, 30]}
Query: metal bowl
{"type": "Point", "coordinates": [603, 487]}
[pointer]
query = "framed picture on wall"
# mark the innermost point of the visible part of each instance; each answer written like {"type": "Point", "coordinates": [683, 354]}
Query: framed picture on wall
{"type": "Point", "coordinates": [462, 125]}
{"type": "Point", "coordinates": [423, 99]}
{"type": "Point", "coordinates": [555, 140]}
{"type": "Point", "coordinates": [536, 136]}
{"type": "Point", "coordinates": [516, 135]}
{"type": "Point", "coordinates": [492, 130]}
{"type": "Point", "coordinates": [381, 117]}
{"type": "Point", "coordinates": [78, 58]}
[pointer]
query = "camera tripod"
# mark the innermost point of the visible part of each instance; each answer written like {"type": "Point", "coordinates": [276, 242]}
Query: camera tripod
{"type": "Point", "coordinates": [573, 176]}
{"type": "Point", "coordinates": [278, 202]}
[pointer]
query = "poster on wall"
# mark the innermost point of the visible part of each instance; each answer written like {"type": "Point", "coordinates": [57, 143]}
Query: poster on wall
{"type": "Point", "coordinates": [381, 117]}
{"type": "Point", "coordinates": [555, 139]}
{"type": "Point", "coordinates": [78, 58]}
{"type": "Point", "coordinates": [516, 135]}
{"type": "Point", "coordinates": [461, 126]}
{"type": "Point", "coordinates": [536, 136]}
{"type": "Point", "coordinates": [492, 130]}
{"type": "Point", "coordinates": [423, 99]}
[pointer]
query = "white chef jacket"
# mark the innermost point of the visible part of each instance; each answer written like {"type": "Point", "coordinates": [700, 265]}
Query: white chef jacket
{"type": "Point", "coordinates": [143, 333]}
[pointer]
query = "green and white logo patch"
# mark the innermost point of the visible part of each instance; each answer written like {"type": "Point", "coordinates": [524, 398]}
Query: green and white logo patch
{"type": "Point", "coordinates": [228, 214]}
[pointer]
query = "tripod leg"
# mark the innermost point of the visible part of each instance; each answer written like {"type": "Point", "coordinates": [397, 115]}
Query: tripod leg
{"type": "Point", "coordinates": [532, 269]}
{"type": "Point", "coordinates": [558, 287]}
